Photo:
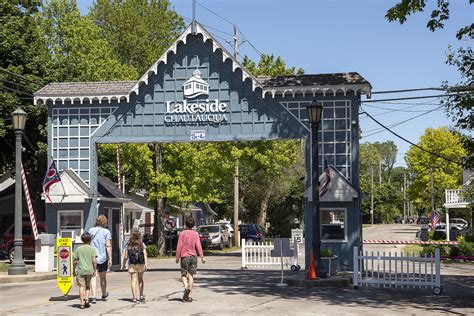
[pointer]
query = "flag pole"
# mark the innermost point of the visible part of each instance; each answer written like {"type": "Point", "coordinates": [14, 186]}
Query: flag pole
{"type": "Point", "coordinates": [64, 190]}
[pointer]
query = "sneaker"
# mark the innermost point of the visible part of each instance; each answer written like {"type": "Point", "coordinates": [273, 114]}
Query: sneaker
{"type": "Point", "coordinates": [93, 300]}
{"type": "Point", "coordinates": [142, 298]}
{"type": "Point", "coordinates": [186, 295]}
{"type": "Point", "coordinates": [87, 305]}
{"type": "Point", "coordinates": [82, 306]}
{"type": "Point", "coordinates": [104, 296]}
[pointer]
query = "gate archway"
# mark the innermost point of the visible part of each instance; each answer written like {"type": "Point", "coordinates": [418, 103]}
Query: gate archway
{"type": "Point", "coordinates": [197, 89]}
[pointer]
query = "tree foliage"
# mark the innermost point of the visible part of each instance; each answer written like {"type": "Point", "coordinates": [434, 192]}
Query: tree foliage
{"type": "Point", "coordinates": [459, 106]}
{"type": "Point", "coordinates": [269, 66]}
{"type": "Point", "coordinates": [446, 175]}
{"type": "Point", "coordinates": [137, 31]}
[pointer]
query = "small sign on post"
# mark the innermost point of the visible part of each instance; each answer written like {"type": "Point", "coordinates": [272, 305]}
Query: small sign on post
{"type": "Point", "coordinates": [64, 267]}
{"type": "Point", "coordinates": [170, 224]}
{"type": "Point", "coordinates": [297, 234]}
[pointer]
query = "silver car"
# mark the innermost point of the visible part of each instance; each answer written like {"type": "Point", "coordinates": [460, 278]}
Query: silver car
{"type": "Point", "coordinates": [218, 235]}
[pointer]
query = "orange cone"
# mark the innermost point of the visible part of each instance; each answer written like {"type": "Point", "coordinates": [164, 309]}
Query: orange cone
{"type": "Point", "coordinates": [312, 272]}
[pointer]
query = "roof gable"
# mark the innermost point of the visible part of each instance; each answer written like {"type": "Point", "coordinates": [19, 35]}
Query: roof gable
{"type": "Point", "coordinates": [340, 189]}
{"type": "Point", "coordinates": [71, 189]}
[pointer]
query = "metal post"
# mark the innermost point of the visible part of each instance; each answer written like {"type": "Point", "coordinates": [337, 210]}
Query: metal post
{"type": "Point", "coordinates": [372, 196]}
{"type": "Point", "coordinates": [18, 265]}
{"type": "Point", "coordinates": [316, 217]}
{"type": "Point", "coordinates": [236, 205]}
{"type": "Point", "coordinates": [431, 190]}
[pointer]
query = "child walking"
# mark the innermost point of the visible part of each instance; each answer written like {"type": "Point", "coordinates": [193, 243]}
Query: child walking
{"type": "Point", "coordinates": [188, 241]}
{"type": "Point", "coordinates": [135, 254]}
{"type": "Point", "coordinates": [85, 268]}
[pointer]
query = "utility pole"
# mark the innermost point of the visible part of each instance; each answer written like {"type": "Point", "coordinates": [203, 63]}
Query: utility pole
{"type": "Point", "coordinates": [236, 205]}
{"type": "Point", "coordinates": [431, 189]}
{"type": "Point", "coordinates": [380, 172]}
{"type": "Point", "coordinates": [236, 44]}
{"type": "Point", "coordinates": [372, 197]}
{"type": "Point", "coordinates": [404, 195]}
{"type": "Point", "coordinates": [236, 171]}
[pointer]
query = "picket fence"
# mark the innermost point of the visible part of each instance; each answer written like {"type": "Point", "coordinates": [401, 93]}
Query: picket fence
{"type": "Point", "coordinates": [258, 255]}
{"type": "Point", "coordinates": [397, 270]}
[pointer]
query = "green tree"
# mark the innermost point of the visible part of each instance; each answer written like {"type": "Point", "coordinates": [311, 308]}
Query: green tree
{"type": "Point", "coordinates": [269, 66]}
{"type": "Point", "coordinates": [388, 155]}
{"type": "Point", "coordinates": [137, 31]}
{"type": "Point", "coordinates": [78, 50]}
{"type": "Point", "coordinates": [446, 174]}
{"type": "Point", "coordinates": [458, 105]}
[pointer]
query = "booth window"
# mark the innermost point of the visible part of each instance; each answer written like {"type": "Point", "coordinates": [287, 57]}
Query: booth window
{"type": "Point", "coordinates": [130, 218]}
{"type": "Point", "coordinates": [333, 224]}
{"type": "Point", "coordinates": [70, 221]}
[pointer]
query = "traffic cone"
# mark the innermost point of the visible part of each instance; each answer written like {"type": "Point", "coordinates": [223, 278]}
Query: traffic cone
{"type": "Point", "coordinates": [312, 272]}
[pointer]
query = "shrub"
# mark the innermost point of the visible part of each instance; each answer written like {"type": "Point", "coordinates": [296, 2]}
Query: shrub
{"type": "Point", "coordinates": [430, 249]}
{"type": "Point", "coordinates": [326, 252]}
{"type": "Point", "coordinates": [152, 251]}
{"type": "Point", "coordinates": [466, 248]}
{"type": "Point", "coordinates": [469, 238]}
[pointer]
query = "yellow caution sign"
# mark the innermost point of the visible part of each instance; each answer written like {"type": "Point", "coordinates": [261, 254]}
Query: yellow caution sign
{"type": "Point", "coordinates": [64, 267]}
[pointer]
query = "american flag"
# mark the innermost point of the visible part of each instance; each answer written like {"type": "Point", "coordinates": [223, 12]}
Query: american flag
{"type": "Point", "coordinates": [50, 178]}
{"type": "Point", "coordinates": [325, 184]}
{"type": "Point", "coordinates": [434, 216]}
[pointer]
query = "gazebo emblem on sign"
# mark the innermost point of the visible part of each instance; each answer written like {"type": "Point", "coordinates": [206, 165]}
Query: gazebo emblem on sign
{"type": "Point", "coordinates": [195, 86]}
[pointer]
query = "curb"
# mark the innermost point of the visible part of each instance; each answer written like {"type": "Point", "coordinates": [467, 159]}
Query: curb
{"type": "Point", "coordinates": [26, 278]}
{"type": "Point", "coordinates": [339, 281]}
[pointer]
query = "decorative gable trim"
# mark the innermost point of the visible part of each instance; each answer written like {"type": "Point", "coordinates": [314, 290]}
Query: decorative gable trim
{"type": "Point", "coordinates": [182, 39]}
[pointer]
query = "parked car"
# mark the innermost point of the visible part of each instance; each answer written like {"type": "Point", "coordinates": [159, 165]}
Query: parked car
{"type": "Point", "coordinates": [251, 232]}
{"type": "Point", "coordinates": [422, 220]}
{"type": "Point", "coordinates": [28, 241]}
{"type": "Point", "coordinates": [217, 235]}
{"type": "Point", "coordinates": [458, 222]}
{"type": "Point", "coordinates": [454, 231]}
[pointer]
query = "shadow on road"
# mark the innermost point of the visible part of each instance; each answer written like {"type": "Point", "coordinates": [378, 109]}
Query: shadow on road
{"type": "Point", "coordinates": [457, 291]}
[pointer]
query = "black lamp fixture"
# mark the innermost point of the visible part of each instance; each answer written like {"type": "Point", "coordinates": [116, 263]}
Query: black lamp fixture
{"type": "Point", "coordinates": [315, 111]}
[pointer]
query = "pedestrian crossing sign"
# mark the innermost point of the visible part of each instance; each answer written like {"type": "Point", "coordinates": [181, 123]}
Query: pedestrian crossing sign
{"type": "Point", "coordinates": [64, 264]}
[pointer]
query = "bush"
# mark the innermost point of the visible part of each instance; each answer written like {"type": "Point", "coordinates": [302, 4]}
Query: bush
{"type": "Point", "coordinates": [469, 238]}
{"type": "Point", "coordinates": [466, 249]}
{"type": "Point", "coordinates": [152, 251]}
{"type": "Point", "coordinates": [430, 249]}
{"type": "Point", "coordinates": [326, 252]}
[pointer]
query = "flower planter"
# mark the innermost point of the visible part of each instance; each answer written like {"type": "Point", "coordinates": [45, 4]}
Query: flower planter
{"type": "Point", "coordinates": [330, 264]}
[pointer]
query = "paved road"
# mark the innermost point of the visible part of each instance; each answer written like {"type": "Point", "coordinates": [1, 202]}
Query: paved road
{"type": "Point", "coordinates": [389, 232]}
{"type": "Point", "coordinates": [222, 288]}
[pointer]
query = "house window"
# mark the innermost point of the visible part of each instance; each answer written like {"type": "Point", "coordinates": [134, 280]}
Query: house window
{"type": "Point", "coordinates": [333, 224]}
{"type": "Point", "coordinates": [130, 220]}
{"type": "Point", "coordinates": [70, 221]}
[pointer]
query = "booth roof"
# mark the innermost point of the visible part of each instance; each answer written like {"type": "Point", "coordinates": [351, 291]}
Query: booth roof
{"type": "Point", "coordinates": [336, 79]}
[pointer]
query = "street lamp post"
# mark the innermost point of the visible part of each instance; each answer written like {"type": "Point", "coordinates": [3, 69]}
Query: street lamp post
{"type": "Point", "coordinates": [18, 265]}
{"type": "Point", "coordinates": [315, 111]}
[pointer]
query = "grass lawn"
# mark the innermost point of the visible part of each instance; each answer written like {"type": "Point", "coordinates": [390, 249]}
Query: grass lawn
{"type": "Point", "coordinates": [366, 225]}
{"type": "Point", "coordinates": [4, 266]}
{"type": "Point", "coordinates": [412, 249]}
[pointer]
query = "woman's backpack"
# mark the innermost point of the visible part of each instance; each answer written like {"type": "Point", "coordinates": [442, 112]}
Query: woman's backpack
{"type": "Point", "coordinates": [136, 255]}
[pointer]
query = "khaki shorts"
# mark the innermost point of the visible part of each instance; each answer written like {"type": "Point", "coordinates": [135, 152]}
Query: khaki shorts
{"type": "Point", "coordinates": [84, 281]}
{"type": "Point", "coordinates": [134, 268]}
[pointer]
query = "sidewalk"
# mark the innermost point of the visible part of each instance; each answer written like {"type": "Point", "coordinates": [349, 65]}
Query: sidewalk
{"type": "Point", "coordinates": [30, 277]}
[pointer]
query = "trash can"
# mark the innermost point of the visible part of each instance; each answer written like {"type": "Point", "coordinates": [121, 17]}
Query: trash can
{"type": "Point", "coordinates": [424, 234]}
{"type": "Point", "coordinates": [44, 253]}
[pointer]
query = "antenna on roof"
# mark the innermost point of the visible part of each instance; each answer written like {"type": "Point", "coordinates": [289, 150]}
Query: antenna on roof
{"type": "Point", "coordinates": [193, 26]}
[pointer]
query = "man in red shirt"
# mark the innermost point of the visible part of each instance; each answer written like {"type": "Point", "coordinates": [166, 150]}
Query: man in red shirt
{"type": "Point", "coordinates": [186, 250]}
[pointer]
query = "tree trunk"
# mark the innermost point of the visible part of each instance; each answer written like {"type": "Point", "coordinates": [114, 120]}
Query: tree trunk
{"type": "Point", "coordinates": [262, 218]}
{"type": "Point", "coordinates": [159, 227]}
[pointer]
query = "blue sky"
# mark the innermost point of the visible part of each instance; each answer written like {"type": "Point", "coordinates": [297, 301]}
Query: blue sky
{"type": "Point", "coordinates": [328, 36]}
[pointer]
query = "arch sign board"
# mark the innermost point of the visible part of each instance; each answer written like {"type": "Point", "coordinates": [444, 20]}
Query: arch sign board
{"type": "Point", "coordinates": [64, 264]}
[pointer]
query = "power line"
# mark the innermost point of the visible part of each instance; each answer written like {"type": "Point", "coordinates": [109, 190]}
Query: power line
{"type": "Point", "coordinates": [20, 76]}
{"type": "Point", "coordinates": [411, 98]}
{"type": "Point", "coordinates": [15, 90]}
{"type": "Point", "coordinates": [206, 8]}
{"type": "Point", "coordinates": [413, 144]}
{"type": "Point", "coordinates": [404, 109]}
{"type": "Point", "coordinates": [379, 130]}
{"type": "Point", "coordinates": [455, 88]}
